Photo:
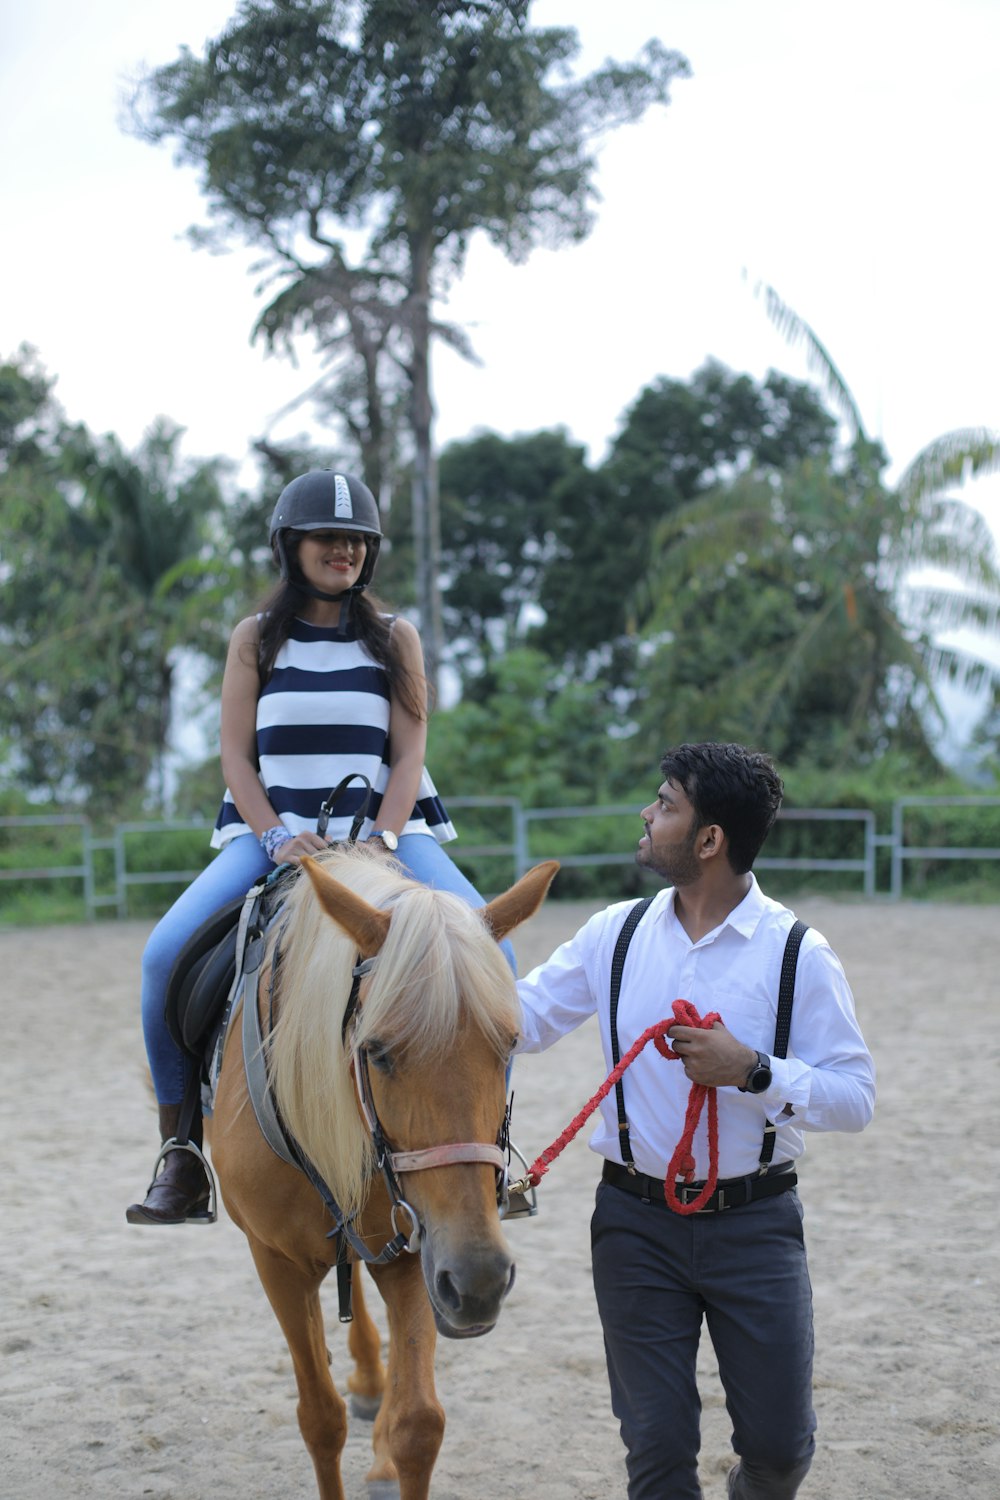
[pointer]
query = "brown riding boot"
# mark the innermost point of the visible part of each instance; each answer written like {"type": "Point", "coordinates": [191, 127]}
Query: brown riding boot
{"type": "Point", "coordinates": [180, 1193]}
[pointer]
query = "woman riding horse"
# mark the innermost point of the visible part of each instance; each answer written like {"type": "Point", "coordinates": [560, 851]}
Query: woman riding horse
{"type": "Point", "coordinates": [320, 684]}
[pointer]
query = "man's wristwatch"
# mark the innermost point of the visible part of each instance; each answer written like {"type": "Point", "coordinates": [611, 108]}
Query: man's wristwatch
{"type": "Point", "coordinates": [759, 1077]}
{"type": "Point", "coordinates": [388, 838]}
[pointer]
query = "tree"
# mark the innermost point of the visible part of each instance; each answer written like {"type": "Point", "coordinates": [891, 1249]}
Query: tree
{"type": "Point", "coordinates": [836, 657]}
{"type": "Point", "coordinates": [680, 439]}
{"type": "Point", "coordinates": [101, 570]}
{"type": "Point", "coordinates": [503, 503]}
{"type": "Point", "coordinates": [411, 124]}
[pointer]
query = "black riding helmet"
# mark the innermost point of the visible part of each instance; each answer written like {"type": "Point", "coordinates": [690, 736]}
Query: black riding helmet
{"type": "Point", "coordinates": [324, 501]}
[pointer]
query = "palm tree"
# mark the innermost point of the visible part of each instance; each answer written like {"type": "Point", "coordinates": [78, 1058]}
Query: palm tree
{"type": "Point", "coordinates": [841, 659]}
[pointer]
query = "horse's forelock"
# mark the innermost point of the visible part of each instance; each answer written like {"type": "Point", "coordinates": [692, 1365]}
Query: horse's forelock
{"type": "Point", "coordinates": [438, 969]}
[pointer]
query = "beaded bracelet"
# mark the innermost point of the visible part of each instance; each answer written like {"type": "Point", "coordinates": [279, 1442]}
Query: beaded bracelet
{"type": "Point", "coordinates": [273, 839]}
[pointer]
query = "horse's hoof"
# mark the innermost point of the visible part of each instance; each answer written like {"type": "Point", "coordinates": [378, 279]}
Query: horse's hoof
{"type": "Point", "coordinates": [383, 1489]}
{"type": "Point", "coordinates": [366, 1408]}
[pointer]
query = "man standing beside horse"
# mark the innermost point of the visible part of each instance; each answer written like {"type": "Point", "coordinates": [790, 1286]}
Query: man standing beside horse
{"type": "Point", "coordinates": [733, 1253]}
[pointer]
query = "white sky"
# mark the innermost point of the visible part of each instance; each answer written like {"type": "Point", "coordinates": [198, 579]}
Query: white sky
{"type": "Point", "coordinates": [845, 152]}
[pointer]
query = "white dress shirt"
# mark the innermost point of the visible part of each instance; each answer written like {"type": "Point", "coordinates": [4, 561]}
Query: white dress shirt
{"type": "Point", "coordinates": [828, 1078]}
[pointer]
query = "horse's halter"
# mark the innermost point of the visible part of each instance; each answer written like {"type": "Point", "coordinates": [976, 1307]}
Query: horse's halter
{"type": "Point", "coordinates": [392, 1162]}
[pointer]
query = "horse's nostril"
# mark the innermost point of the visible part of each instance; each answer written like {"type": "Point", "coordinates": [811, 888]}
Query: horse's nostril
{"type": "Point", "coordinates": [447, 1291]}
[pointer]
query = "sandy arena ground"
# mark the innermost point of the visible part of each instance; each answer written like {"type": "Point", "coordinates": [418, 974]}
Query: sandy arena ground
{"type": "Point", "coordinates": [140, 1363]}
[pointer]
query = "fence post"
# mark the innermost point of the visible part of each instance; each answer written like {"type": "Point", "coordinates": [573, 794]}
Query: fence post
{"type": "Point", "coordinates": [896, 878]}
{"type": "Point", "coordinates": [521, 856]}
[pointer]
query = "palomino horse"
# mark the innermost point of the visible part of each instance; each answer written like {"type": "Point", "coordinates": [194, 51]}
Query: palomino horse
{"type": "Point", "coordinates": [414, 1055]}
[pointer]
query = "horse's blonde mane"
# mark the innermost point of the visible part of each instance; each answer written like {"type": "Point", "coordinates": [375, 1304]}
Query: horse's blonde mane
{"type": "Point", "coordinates": [439, 969]}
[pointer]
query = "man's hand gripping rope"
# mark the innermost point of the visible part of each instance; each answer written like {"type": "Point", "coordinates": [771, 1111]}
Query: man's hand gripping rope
{"type": "Point", "coordinates": [682, 1161]}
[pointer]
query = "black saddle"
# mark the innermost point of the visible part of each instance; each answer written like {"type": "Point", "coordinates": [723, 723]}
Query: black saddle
{"type": "Point", "coordinates": [201, 979]}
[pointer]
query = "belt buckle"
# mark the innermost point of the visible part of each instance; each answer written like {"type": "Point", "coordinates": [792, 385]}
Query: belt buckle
{"type": "Point", "coordinates": [688, 1192]}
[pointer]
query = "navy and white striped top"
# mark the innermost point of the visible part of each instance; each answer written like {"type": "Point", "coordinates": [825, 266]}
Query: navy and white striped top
{"type": "Point", "coordinates": [323, 715]}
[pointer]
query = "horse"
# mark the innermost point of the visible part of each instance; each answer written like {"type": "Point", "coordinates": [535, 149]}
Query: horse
{"type": "Point", "coordinates": [388, 1014]}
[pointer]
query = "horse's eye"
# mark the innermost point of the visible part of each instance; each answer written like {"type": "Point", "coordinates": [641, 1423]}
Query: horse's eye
{"type": "Point", "coordinates": [379, 1056]}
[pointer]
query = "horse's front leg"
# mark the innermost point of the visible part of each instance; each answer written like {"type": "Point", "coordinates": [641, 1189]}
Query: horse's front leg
{"type": "Point", "coordinates": [366, 1381]}
{"type": "Point", "coordinates": [293, 1292]}
{"type": "Point", "coordinates": [410, 1427]}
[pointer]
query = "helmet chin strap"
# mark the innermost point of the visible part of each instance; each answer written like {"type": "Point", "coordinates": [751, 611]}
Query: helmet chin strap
{"type": "Point", "coordinates": [345, 600]}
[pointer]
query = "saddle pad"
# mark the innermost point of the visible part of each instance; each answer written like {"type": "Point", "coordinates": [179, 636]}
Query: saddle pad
{"type": "Point", "coordinates": [201, 979]}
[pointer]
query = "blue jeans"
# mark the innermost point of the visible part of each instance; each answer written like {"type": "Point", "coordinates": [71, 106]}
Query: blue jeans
{"type": "Point", "coordinates": [657, 1275]}
{"type": "Point", "coordinates": [230, 875]}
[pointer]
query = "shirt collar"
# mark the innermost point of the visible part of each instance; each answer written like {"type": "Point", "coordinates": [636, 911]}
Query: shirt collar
{"type": "Point", "coordinates": [743, 919]}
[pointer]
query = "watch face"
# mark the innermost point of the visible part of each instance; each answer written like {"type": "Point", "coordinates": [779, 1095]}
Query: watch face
{"type": "Point", "coordinates": [388, 838]}
{"type": "Point", "coordinates": [760, 1079]}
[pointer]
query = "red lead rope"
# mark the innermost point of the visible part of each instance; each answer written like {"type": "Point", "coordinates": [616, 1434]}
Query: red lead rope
{"type": "Point", "coordinates": [682, 1161]}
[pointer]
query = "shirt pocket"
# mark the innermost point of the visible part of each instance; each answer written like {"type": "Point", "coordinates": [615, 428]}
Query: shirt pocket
{"type": "Point", "coordinates": [749, 1013]}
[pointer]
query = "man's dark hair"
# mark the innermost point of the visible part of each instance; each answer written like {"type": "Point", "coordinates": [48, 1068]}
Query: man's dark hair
{"type": "Point", "coordinates": [730, 785]}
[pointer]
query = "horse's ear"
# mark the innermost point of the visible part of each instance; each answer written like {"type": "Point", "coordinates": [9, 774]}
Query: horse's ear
{"type": "Point", "coordinates": [366, 924]}
{"type": "Point", "coordinates": [515, 906]}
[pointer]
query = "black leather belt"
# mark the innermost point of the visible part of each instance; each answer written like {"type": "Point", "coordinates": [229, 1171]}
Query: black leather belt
{"type": "Point", "coordinates": [730, 1192]}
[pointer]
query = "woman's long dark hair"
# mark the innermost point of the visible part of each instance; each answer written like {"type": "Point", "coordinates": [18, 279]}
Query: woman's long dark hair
{"type": "Point", "coordinates": [373, 628]}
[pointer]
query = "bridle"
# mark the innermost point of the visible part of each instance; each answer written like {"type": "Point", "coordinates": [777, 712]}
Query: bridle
{"type": "Point", "coordinates": [391, 1162]}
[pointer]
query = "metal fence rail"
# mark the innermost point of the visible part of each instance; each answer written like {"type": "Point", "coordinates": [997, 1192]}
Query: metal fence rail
{"type": "Point", "coordinates": [864, 864]}
{"type": "Point", "coordinates": [525, 846]}
{"type": "Point", "coordinates": [902, 851]}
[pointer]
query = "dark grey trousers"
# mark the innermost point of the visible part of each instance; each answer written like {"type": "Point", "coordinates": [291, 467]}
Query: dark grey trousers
{"type": "Point", "coordinates": [658, 1275]}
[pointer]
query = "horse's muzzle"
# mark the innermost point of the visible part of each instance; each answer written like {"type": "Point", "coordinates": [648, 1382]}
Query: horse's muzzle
{"type": "Point", "coordinates": [467, 1288]}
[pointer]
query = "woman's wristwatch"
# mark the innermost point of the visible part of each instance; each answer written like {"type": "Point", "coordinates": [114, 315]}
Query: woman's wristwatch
{"type": "Point", "coordinates": [389, 839]}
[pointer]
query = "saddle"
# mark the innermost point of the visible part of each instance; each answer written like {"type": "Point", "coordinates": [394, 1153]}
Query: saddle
{"type": "Point", "coordinates": [201, 980]}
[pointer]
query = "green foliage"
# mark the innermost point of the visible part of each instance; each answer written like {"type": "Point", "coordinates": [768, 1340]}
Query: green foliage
{"type": "Point", "coordinates": [504, 505]}
{"type": "Point", "coordinates": [102, 582]}
{"type": "Point", "coordinates": [538, 736]}
{"type": "Point", "coordinates": [678, 440]}
{"type": "Point", "coordinates": [922, 525]}
{"type": "Point", "coordinates": [526, 522]}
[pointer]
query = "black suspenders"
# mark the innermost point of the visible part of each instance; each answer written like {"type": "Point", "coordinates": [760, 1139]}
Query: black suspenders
{"type": "Point", "coordinates": [782, 1027]}
{"type": "Point", "coordinates": [632, 921]}
{"type": "Point", "coordinates": [783, 1023]}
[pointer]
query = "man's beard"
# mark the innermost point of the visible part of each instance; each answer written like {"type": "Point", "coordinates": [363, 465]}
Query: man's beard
{"type": "Point", "coordinates": [677, 864]}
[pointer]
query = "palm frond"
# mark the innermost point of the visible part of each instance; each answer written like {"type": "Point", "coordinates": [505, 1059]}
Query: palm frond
{"type": "Point", "coordinates": [796, 331]}
{"type": "Point", "coordinates": [954, 537]}
{"type": "Point", "coordinates": [955, 457]}
{"type": "Point", "coordinates": [688, 543]}
{"type": "Point", "coordinates": [792, 662]}
{"type": "Point", "coordinates": [938, 608]}
{"type": "Point", "coordinates": [963, 669]}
